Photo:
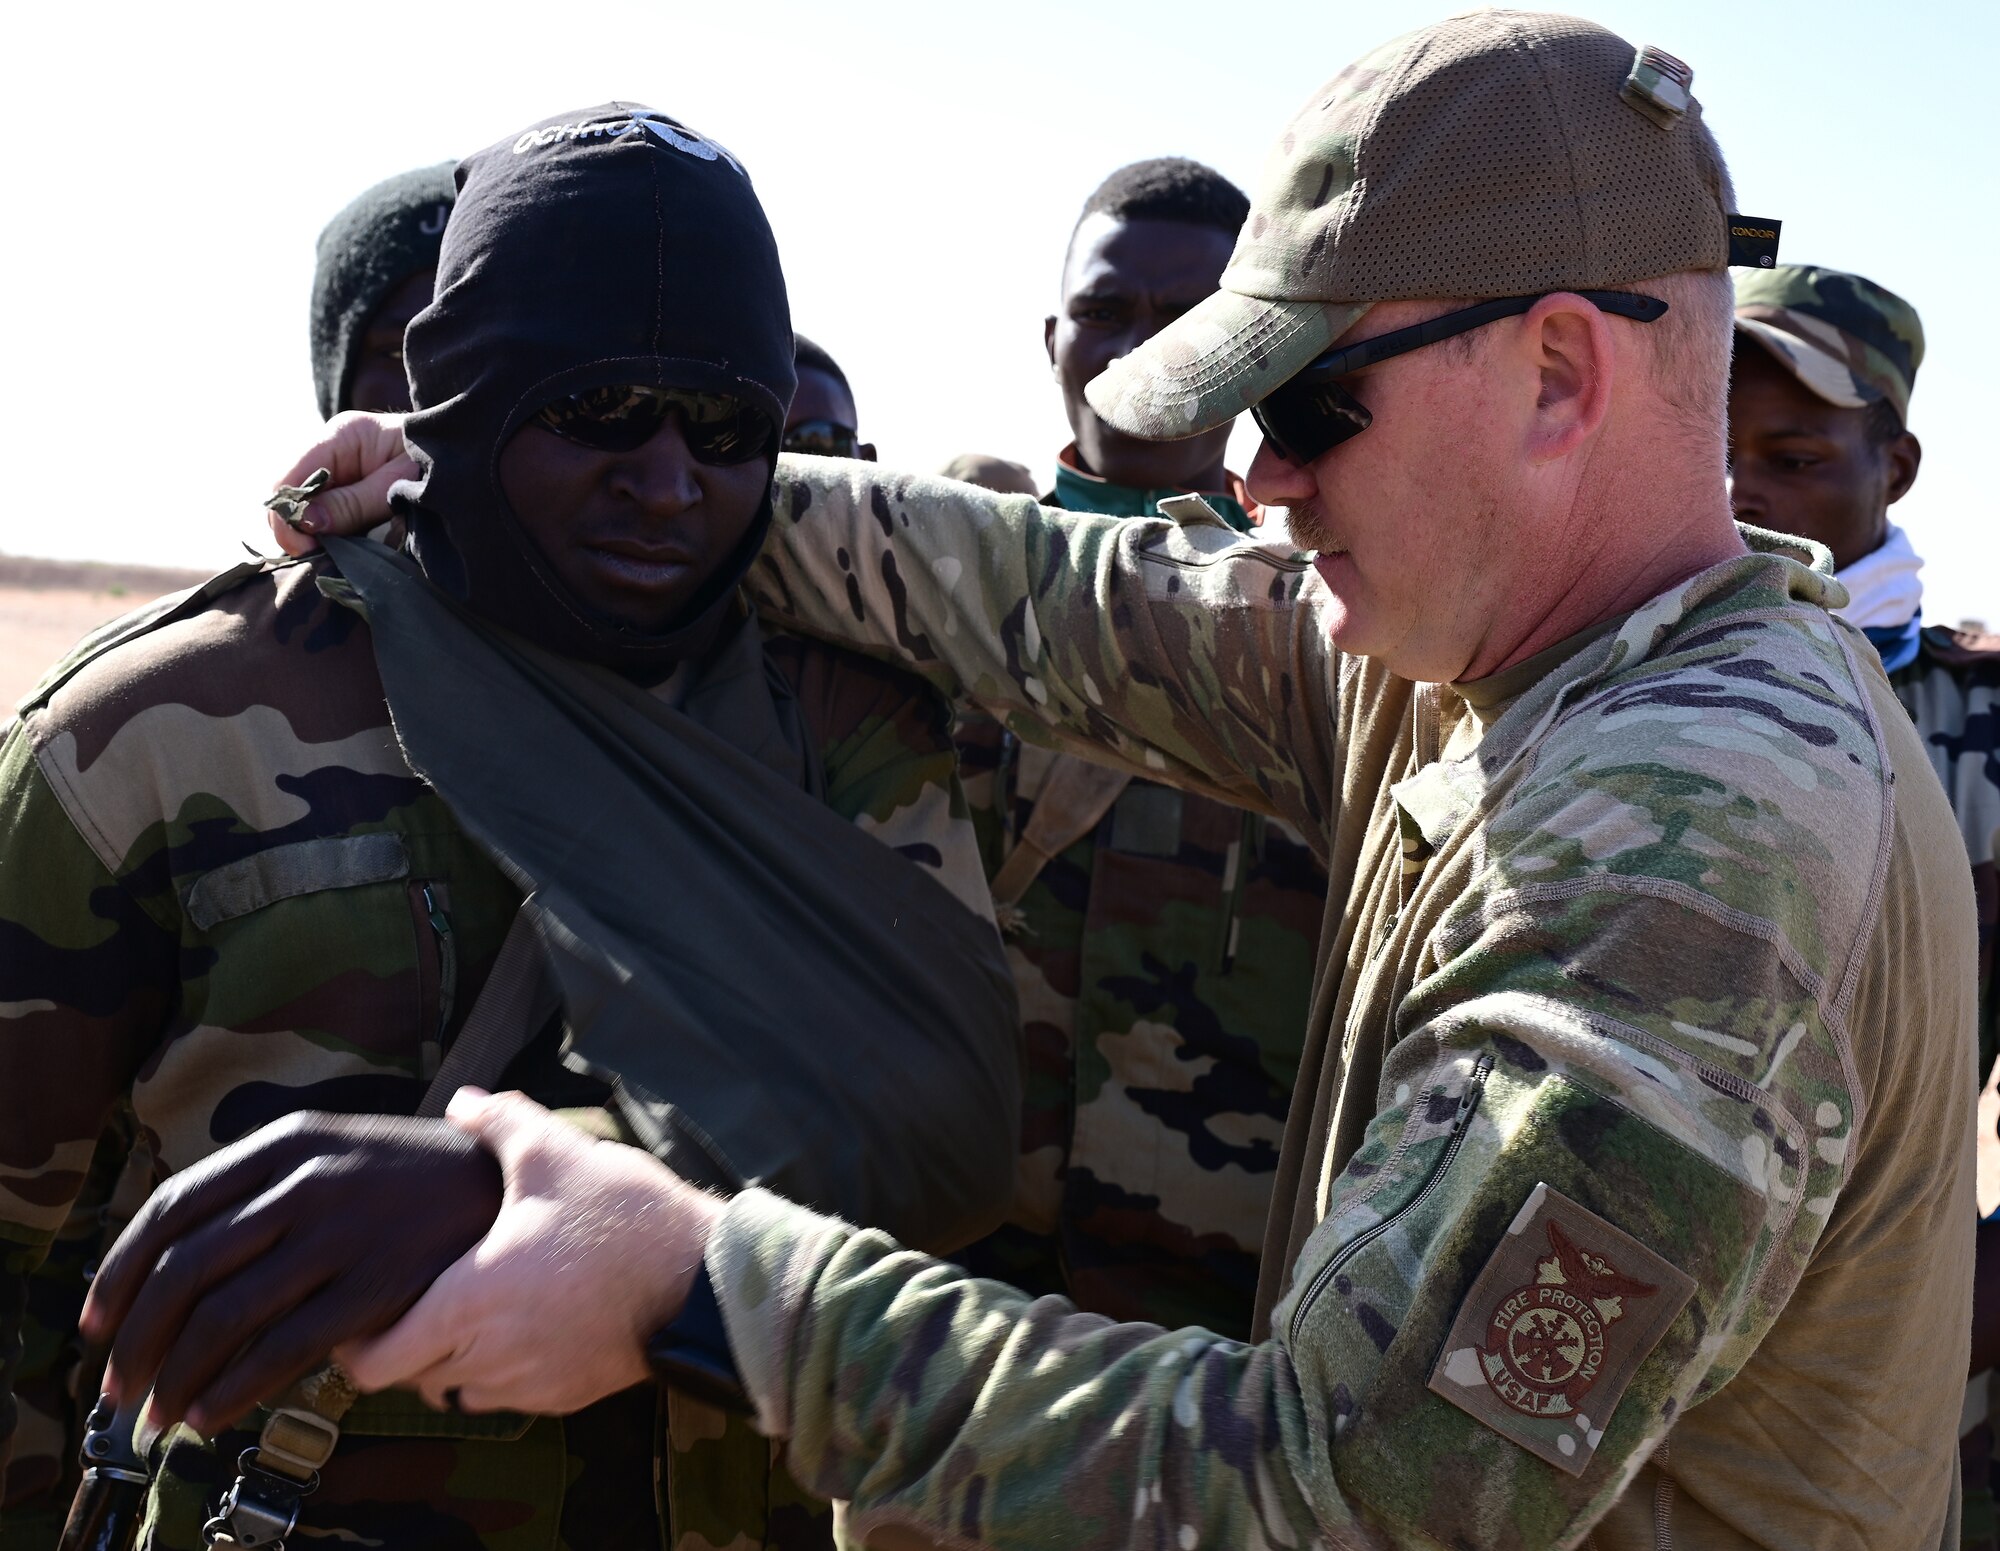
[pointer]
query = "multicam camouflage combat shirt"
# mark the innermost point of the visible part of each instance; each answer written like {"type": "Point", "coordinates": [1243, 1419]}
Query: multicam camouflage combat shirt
{"type": "Point", "coordinates": [225, 896]}
{"type": "Point", "coordinates": [1165, 965]}
{"type": "Point", "coordinates": [1632, 1156]}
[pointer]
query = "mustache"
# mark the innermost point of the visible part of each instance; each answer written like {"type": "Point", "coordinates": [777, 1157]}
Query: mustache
{"type": "Point", "coordinates": [1308, 524]}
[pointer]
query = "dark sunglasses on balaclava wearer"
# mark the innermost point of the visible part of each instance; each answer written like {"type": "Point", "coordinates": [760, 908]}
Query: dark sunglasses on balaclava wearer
{"type": "Point", "coordinates": [604, 273]}
{"type": "Point", "coordinates": [720, 428]}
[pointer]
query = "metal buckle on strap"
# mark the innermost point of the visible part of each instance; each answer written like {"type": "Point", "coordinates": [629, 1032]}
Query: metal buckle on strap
{"type": "Point", "coordinates": [297, 1442]}
{"type": "Point", "coordinates": [300, 1434]}
{"type": "Point", "coordinates": [262, 1507]}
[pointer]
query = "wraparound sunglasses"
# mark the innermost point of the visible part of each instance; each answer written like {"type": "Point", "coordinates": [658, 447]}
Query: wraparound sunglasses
{"type": "Point", "coordinates": [720, 428]}
{"type": "Point", "coordinates": [1312, 411]}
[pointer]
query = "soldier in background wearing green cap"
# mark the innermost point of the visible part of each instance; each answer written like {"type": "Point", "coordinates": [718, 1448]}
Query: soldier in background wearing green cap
{"type": "Point", "coordinates": [1627, 1192]}
{"type": "Point", "coordinates": [1819, 446]}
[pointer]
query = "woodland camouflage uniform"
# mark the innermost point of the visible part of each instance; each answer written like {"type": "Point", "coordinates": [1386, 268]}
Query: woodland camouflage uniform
{"type": "Point", "coordinates": [377, 242]}
{"type": "Point", "coordinates": [1952, 692]}
{"type": "Point", "coordinates": [226, 898]}
{"type": "Point", "coordinates": [57, 1379]}
{"type": "Point", "coordinates": [1164, 963]}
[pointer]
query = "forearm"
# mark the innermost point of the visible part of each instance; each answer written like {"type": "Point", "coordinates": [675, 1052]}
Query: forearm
{"type": "Point", "coordinates": [961, 1408]}
{"type": "Point", "coordinates": [1179, 653]}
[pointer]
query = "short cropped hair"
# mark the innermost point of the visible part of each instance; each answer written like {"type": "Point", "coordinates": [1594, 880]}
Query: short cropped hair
{"type": "Point", "coordinates": [1170, 188]}
{"type": "Point", "coordinates": [1883, 424]}
{"type": "Point", "coordinates": [808, 356]}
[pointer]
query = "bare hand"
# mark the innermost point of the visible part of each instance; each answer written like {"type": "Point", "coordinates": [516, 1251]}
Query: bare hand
{"type": "Point", "coordinates": [594, 1249]}
{"type": "Point", "coordinates": [244, 1271]}
{"type": "Point", "coordinates": [364, 452]}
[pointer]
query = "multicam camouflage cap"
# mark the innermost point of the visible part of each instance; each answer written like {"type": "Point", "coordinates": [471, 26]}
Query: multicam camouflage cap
{"type": "Point", "coordinates": [1499, 153]}
{"type": "Point", "coordinates": [1843, 336]}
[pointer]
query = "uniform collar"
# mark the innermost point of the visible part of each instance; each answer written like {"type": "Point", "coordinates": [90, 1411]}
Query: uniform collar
{"type": "Point", "coordinates": [1516, 707]}
{"type": "Point", "coordinates": [1490, 696]}
{"type": "Point", "coordinates": [1078, 491]}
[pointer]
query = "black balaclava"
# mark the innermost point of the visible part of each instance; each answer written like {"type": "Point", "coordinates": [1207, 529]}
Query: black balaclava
{"type": "Point", "coordinates": [601, 248]}
{"type": "Point", "coordinates": [385, 236]}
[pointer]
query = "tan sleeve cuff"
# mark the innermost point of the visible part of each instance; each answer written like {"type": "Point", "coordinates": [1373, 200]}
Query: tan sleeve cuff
{"type": "Point", "coordinates": [764, 1257]}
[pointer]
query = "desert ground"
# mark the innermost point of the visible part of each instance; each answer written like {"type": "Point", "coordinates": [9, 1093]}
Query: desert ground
{"type": "Point", "coordinates": [46, 605]}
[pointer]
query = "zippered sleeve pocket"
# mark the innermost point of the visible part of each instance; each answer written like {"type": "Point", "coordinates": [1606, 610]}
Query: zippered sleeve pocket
{"type": "Point", "coordinates": [1526, 1274]}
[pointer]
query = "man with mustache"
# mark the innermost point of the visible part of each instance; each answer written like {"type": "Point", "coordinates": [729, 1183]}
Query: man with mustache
{"type": "Point", "coordinates": [1635, 1077]}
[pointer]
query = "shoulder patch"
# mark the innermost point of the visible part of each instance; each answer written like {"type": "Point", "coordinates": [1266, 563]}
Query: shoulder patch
{"type": "Point", "coordinates": [1555, 1327]}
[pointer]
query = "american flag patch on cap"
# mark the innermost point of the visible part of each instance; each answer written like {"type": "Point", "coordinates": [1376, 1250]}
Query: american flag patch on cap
{"type": "Point", "coordinates": [1658, 86]}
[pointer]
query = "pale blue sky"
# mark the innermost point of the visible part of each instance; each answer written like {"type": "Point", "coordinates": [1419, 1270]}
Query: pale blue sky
{"type": "Point", "coordinates": [169, 166]}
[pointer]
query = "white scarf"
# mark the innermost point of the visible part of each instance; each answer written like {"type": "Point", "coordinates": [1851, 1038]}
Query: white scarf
{"type": "Point", "coordinates": [1883, 588]}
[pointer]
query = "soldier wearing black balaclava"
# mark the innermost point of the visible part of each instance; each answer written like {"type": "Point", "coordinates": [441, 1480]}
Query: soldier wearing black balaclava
{"type": "Point", "coordinates": [325, 788]}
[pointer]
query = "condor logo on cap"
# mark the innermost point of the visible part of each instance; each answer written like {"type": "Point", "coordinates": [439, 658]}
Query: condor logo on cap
{"type": "Point", "coordinates": [641, 121]}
